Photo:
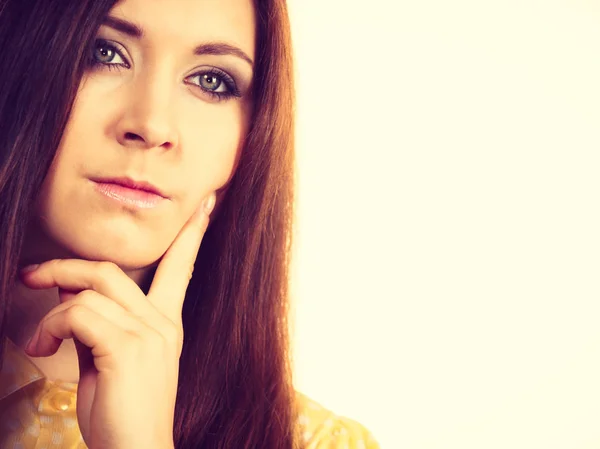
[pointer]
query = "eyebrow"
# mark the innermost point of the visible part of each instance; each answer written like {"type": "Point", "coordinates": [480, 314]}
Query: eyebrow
{"type": "Point", "coordinates": [207, 48]}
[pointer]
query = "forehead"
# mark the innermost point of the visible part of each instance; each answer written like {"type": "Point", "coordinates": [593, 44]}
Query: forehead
{"type": "Point", "coordinates": [190, 22]}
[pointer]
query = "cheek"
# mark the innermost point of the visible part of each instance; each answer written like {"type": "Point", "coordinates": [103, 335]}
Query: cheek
{"type": "Point", "coordinates": [212, 158]}
{"type": "Point", "coordinates": [75, 217]}
{"type": "Point", "coordinates": [56, 194]}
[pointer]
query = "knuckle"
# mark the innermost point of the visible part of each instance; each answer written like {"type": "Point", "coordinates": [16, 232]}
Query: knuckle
{"type": "Point", "coordinates": [173, 335]}
{"type": "Point", "coordinates": [55, 263]}
{"type": "Point", "coordinates": [135, 340]}
{"type": "Point", "coordinates": [148, 341]}
{"type": "Point", "coordinates": [75, 312]}
{"type": "Point", "coordinates": [129, 347]}
{"type": "Point", "coordinates": [87, 299]}
{"type": "Point", "coordinates": [107, 269]}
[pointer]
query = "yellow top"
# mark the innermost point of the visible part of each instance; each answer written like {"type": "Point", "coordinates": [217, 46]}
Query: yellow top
{"type": "Point", "coordinates": [38, 413]}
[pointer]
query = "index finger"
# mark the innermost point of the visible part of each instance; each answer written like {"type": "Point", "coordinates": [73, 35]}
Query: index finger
{"type": "Point", "coordinates": [172, 276]}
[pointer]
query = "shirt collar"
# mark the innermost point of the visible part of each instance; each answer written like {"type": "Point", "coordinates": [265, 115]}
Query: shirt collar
{"type": "Point", "coordinates": [17, 370]}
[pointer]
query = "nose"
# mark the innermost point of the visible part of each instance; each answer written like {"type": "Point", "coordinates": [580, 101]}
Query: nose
{"type": "Point", "coordinates": [147, 119]}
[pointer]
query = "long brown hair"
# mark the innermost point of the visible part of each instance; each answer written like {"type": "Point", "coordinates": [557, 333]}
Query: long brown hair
{"type": "Point", "coordinates": [235, 383]}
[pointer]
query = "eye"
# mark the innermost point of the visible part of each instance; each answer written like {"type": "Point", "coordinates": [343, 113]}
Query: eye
{"type": "Point", "coordinates": [104, 54]}
{"type": "Point", "coordinates": [217, 83]}
{"type": "Point", "coordinates": [214, 82]}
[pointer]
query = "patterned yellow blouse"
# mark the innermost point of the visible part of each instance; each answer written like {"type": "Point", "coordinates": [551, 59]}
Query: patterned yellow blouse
{"type": "Point", "coordinates": [38, 413]}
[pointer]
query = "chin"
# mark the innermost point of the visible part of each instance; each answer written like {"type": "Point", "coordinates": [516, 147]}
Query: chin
{"type": "Point", "coordinates": [130, 251]}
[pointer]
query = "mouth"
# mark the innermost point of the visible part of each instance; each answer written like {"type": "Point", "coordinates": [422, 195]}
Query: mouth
{"type": "Point", "coordinates": [129, 183]}
{"type": "Point", "coordinates": [137, 194]}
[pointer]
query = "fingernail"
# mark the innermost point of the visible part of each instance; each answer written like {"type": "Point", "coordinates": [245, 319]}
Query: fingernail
{"type": "Point", "coordinates": [209, 203]}
{"type": "Point", "coordinates": [29, 345]}
{"type": "Point", "coordinates": [29, 268]}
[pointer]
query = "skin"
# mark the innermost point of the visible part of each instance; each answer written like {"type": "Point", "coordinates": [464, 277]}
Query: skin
{"type": "Point", "coordinates": [152, 121]}
{"type": "Point", "coordinates": [128, 344]}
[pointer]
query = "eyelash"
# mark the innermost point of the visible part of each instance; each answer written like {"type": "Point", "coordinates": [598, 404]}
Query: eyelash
{"type": "Point", "coordinates": [233, 91]}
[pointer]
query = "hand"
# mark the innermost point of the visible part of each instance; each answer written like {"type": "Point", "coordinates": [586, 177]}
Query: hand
{"type": "Point", "coordinates": [128, 344]}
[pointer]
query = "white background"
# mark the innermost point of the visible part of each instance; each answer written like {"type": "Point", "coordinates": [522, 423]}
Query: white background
{"type": "Point", "coordinates": [447, 268]}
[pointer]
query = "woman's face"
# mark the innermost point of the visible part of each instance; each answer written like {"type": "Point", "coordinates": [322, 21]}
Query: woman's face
{"type": "Point", "coordinates": [149, 110]}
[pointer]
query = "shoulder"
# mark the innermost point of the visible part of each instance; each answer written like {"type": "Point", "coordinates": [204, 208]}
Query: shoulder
{"type": "Point", "coordinates": [320, 428]}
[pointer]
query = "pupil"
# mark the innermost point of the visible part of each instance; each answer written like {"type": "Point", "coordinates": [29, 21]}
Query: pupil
{"type": "Point", "coordinates": [212, 81]}
{"type": "Point", "coordinates": [104, 52]}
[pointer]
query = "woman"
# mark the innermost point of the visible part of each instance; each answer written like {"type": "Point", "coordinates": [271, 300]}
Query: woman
{"type": "Point", "coordinates": [120, 121]}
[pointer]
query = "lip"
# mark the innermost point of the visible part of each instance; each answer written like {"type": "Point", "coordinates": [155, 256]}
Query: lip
{"type": "Point", "coordinates": [132, 184]}
{"type": "Point", "coordinates": [143, 196]}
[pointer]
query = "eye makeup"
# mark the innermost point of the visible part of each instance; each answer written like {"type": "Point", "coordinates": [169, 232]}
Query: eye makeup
{"type": "Point", "coordinates": [213, 81]}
